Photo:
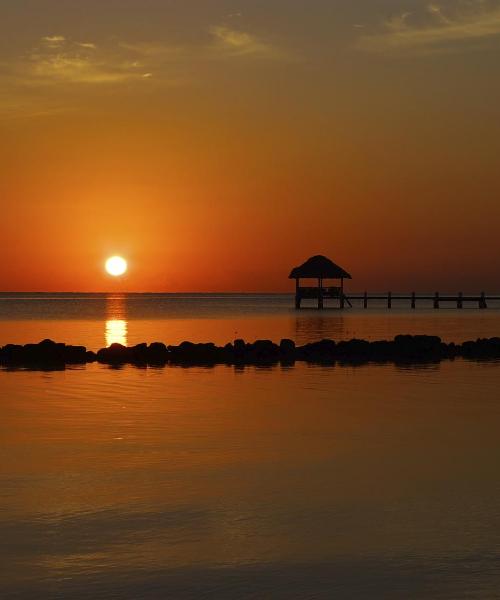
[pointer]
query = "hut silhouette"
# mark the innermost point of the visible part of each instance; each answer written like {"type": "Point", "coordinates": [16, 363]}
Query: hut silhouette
{"type": "Point", "coordinates": [319, 268]}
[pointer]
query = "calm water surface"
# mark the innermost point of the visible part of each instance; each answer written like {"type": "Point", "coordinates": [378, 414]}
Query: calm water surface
{"type": "Point", "coordinates": [304, 482]}
{"type": "Point", "coordinates": [99, 319]}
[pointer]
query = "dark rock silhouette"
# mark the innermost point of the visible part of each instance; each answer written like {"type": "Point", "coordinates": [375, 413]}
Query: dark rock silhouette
{"type": "Point", "coordinates": [46, 352]}
{"type": "Point", "coordinates": [188, 352]}
{"type": "Point", "coordinates": [323, 351]}
{"type": "Point", "coordinates": [409, 349]}
{"type": "Point", "coordinates": [155, 354]}
{"type": "Point", "coordinates": [287, 352]}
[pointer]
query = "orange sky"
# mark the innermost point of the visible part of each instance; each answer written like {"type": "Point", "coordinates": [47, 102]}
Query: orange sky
{"type": "Point", "coordinates": [216, 148]}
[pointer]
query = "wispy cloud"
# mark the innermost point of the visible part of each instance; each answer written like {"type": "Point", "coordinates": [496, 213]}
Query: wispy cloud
{"type": "Point", "coordinates": [88, 45]}
{"type": "Point", "coordinates": [53, 41]}
{"type": "Point", "coordinates": [437, 27]}
{"type": "Point", "coordinates": [59, 60]}
{"type": "Point", "coordinates": [76, 69]}
{"type": "Point", "coordinates": [155, 50]}
{"type": "Point", "coordinates": [48, 77]}
{"type": "Point", "coordinates": [223, 42]}
{"type": "Point", "coordinates": [232, 42]}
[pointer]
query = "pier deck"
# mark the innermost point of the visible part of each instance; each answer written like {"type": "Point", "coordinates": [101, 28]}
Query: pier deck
{"type": "Point", "coordinates": [437, 299]}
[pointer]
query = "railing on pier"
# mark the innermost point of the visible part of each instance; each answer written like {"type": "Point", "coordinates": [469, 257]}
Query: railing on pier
{"type": "Point", "coordinates": [316, 292]}
{"type": "Point", "coordinates": [437, 299]}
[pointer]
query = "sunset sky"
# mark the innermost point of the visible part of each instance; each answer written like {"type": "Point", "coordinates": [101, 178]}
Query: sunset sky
{"type": "Point", "coordinates": [216, 144]}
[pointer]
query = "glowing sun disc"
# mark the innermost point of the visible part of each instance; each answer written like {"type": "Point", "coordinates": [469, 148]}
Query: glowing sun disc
{"type": "Point", "coordinates": [116, 266]}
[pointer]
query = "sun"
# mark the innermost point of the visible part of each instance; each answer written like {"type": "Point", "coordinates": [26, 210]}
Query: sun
{"type": "Point", "coordinates": [116, 266]}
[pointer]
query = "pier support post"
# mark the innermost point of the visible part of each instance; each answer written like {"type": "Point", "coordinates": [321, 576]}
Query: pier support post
{"type": "Point", "coordinates": [436, 300]}
{"type": "Point", "coordinates": [365, 300]}
{"type": "Point", "coordinates": [389, 300]}
{"type": "Point", "coordinates": [413, 300]}
{"type": "Point", "coordinates": [297, 293]}
{"type": "Point", "coordinates": [460, 300]}
{"type": "Point", "coordinates": [482, 301]}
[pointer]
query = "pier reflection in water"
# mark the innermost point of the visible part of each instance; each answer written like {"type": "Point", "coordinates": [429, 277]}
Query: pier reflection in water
{"type": "Point", "coordinates": [116, 329]}
{"type": "Point", "coordinates": [310, 326]}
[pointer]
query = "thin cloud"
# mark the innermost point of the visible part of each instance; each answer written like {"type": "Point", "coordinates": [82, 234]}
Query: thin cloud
{"type": "Point", "coordinates": [53, 41]}
{"type": "Point", "coordinates": [26, 110]}
{"type": "Point", "coordinates": [232, 42]}
{"type": "Point", "coordinates": [60, 60]}
{"type": "Point", "coordinates": [42, 81]}
{"type": "Point", "coordinates": [75, 69]}
{"type": "Point", "coordinates": [155, 49]}
{"type": "Point", "coordinates": [437, 28]}
{"type": "Point", "coordinates": [225, 42]}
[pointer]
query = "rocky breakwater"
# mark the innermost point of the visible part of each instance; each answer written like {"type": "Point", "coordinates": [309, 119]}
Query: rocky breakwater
{"type": "Point", "coordinates": [46, 353]}
{"type": "Point", "coordinates": [402, 349]}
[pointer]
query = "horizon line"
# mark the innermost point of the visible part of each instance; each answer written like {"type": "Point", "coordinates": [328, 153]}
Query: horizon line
{"type": "Point", "coordinates": [235, 292]}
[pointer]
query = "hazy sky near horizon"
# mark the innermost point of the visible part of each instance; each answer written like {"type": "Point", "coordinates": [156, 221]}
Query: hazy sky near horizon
{"type": "Point", "coordinates": [215, 144]}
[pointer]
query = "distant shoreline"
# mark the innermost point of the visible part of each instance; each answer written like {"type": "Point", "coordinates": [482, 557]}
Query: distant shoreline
{"type": "Point", "coordinates": [404, 349]}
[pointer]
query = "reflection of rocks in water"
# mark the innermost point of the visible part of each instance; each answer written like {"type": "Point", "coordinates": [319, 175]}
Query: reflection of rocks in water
{"type": "Point", "coordinates": [309, 327]}
{"type": "Point", "coordinates": [116, 321]}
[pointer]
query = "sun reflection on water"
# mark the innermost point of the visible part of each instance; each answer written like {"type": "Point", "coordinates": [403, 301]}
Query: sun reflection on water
{"type": "Point", "coordinates": [116, 323]}
{"type": "Point", "coordinates": [116, 332]}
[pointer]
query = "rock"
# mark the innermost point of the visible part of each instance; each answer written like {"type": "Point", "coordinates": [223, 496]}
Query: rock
{"type": "Point", "coordinates": [417, 346]}
{"type": "Point", "coordinates": [11, 353]}
{"type": "Point", "coordinates": [46, 352]}
{"type": "Point", "coordinates": [157, 353]}
{"type": "Point", "coordinates": [381, 350]}
{"type": "Point", "coordinates": [75, 355]}
{"type": "Point", "coordinates": [90, 356]}
{"type": "Point", "coordinates": [481, 348]}
{"type": "Point", "coordinates": [239, 347]}
{"type": "Point", "coordinates": [262, 351]}
{"type": "Point", "coordinates": [287, 347]}
{"type": "Point", "coordinates": [138, 354]}
{"type": "Point", "coordinates": [190, 353]}
{"type": "Point", "coordinates": [325, 350]}
{"type": "Point", "coordinates": [353, 349]}
{"type": "Point", "coordinates": [115, 354]}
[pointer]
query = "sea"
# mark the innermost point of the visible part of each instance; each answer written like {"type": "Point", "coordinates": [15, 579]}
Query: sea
{"type": "Point", "coordinates": [285, 482]}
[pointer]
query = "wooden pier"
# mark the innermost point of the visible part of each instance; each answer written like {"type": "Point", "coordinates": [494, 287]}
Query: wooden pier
{"type": "Point", "coordinates": [320, 268]}
{"type": "Point", "coordinates": [437, 299]}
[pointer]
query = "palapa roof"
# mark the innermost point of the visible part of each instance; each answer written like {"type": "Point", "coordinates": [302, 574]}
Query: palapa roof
{"type": "Point", "coordinates": [319, 267]}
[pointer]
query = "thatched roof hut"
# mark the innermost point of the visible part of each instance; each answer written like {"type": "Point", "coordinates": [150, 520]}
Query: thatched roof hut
{"type": "Point", "coordinates": [319, 267]}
